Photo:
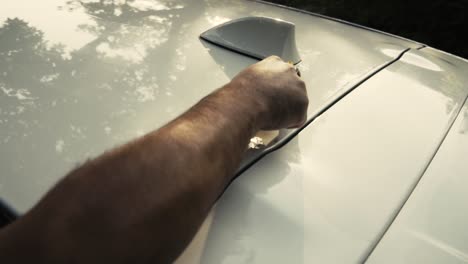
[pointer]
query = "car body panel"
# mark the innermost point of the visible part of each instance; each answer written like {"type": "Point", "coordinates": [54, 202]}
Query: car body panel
{"type": "Point", "coordinates": [82, 77]}
{"type": "Point", "coordinates": [330, 193]}
{"type": "Point", "coordinates": [124, 68]}
{"type": "Point", "coordinates": [431, 227]}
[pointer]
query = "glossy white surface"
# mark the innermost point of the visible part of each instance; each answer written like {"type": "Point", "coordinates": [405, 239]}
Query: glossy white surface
{"type": "Point", "coordinates": [329, 194]}
{"type": "Point", "coordinates": [432, 226]}
{"type": "Point", "coordinates": [79, 77]}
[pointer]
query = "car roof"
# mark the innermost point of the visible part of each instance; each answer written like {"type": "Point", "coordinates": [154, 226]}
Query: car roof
{"type": "Point", "coordinates": [114, 70]}
{"type": "Point", "coordinates": [332, 192]}
{"type": "Point", "coordinates": [99, 73]}
{"type": "Point", "coordinates": [430, 228]}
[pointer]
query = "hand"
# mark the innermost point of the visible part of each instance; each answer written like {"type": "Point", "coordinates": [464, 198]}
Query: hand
{"type": "Point", "coordinates": [278, 90]}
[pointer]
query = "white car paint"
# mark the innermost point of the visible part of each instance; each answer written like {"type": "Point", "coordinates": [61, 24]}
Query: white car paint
{"type": "Point", "coordinates": [330, 194]}
{"type": "Point", "coordinates": [431, 227]}
{"type": "Point", "coordinates": [141, 66]}
{"type": "Point", "coordinates": [327, 196]}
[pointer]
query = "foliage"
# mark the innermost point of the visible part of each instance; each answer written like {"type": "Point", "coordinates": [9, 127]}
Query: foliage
{"type": "Point", "coordinates": [438, 23]}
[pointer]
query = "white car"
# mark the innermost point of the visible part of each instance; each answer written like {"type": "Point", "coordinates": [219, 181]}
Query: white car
{"type": "Point", "coordinates": [379, 173]}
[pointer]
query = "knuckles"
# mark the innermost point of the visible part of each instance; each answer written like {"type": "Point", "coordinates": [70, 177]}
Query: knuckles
{"type": "Point", "coordinates": [274, 57]}
{"type": "Point", "coordinates": [276, 85]}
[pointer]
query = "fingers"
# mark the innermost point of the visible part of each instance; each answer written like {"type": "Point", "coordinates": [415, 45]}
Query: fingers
{"type": "Point", "coordinates": [278, 87]}
{"type": "Point", "coordinates": [296, 90]}
{"type": "Point", "coordinates": [276, 59]}
{"type": "Point", "coordinates": [289, 65]}
{"type": "Point", "coordinates": [300, 112]}
{"type": "Point", "coordinates": [299, 124]}
{"type": "Point", "coordinates": [301, 84]}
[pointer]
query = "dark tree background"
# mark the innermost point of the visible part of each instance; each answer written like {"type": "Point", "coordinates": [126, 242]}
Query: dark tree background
{"type": "Point", "coordinates": [442, 24]}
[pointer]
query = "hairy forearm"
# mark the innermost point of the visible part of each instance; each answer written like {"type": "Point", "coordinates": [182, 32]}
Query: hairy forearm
{"type": "Point", "coordinates": [145, 200]}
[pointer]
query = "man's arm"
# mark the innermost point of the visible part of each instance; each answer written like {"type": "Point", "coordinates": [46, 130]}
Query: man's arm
{"type": "Point", "coordinates": [144, 201]}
